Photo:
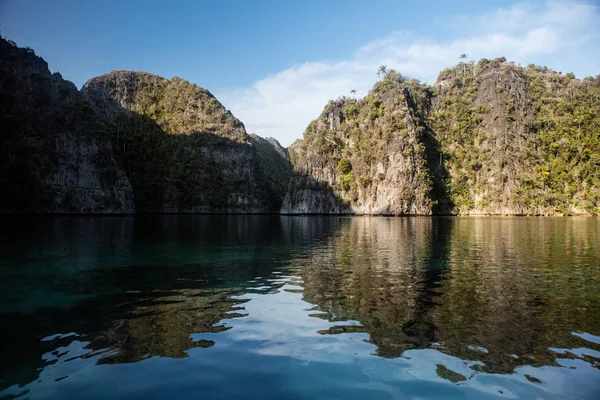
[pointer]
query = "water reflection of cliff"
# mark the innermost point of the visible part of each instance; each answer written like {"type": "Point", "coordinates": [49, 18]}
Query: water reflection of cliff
{"type": "Point", "coordinates": [501, 291]}
{"type": "Point", "coordinates": [99, 279]}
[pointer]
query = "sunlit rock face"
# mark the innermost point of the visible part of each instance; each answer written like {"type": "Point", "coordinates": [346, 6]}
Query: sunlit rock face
{"type": "Point", "coordinates": [486, 138]}
{"type": "Point", "coordinates": [365, 157]}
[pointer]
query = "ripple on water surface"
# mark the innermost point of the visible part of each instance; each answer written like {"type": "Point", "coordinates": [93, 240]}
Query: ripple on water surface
{"type": "Point", "coordinates": [299, 307]}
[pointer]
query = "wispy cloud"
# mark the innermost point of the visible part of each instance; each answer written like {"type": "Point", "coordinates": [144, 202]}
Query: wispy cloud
{"type": "Point", "coordinates": [563, 35]}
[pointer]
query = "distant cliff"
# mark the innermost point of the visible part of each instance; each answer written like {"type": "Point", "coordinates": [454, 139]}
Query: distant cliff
{"type": "Point", "coordinates": [365, 157]}
{"type": "Point", "coordinates": [55, 156]}
{"type": "Point", "coordinates": [183, 151]}
{"type": "Point", "coordinates": [486, 138]}
{"type": "Point", "coordinates": [128, 142]}
{"type": "Point", "coordinates": [519, 140]}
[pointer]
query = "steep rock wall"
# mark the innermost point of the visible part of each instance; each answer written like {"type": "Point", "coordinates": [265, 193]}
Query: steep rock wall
{"type": "Point", "coordinates": [182, 150]}
{"type": "Point", "coordinates": [518, 140]}
{"type": "Point", "coordinates": [55, 156]}
{"type": "Point", "coordinates": [367, 156]}
{"type": "Point", "coordinates": [488, 138]}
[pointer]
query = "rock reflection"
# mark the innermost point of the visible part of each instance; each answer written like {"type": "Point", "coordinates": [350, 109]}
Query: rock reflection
{"type": "Point", "coordinates": [159, 323]}
{"type": "Point", "coordinates": [65, 275]}
{"type": "Point", "coordinates": [447, 298]}
{"type": "Point", "coordinates": [151, 316]}
{"type": "Point", "coordinates": [372, 271]}
{"type": "Point", "coordinates": [500, 291]}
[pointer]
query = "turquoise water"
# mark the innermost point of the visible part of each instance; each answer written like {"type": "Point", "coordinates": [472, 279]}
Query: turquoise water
{"type": "Point", "coordinates": [270, 307]}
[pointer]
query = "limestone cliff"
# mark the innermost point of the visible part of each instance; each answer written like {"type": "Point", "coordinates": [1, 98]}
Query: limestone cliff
{"type": "Point", "coordinates": [182, 150]}
{"type": "Point", "coordinates": [486, 138]}
{"type": "Point", "coordinates": [518, 140]}
{"type": "Point", "coordinates": [274, 167]}
{"type": "Point", "coordinates": [55, 156]}
{"type": "Point", "coordinates": [128, 141]}
{"type": "Point", "coordinates": [366, 156]}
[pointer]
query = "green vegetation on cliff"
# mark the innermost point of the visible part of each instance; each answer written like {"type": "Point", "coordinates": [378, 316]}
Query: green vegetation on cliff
{"type": "Point", "coordinates": [372, 152]}
{"type": "Point", "coordinates": [274, 167]}
{"type": "Point", "coordinates": [486, 138]}
{"type": "Point", "coordinates": [182, 150]}
{"type": "Point", "coordinates": [519, 140]}
{"type": "Point", "coordinates": [165, 144]}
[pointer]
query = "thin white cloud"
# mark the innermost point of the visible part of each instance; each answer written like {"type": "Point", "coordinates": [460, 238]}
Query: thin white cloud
{"type": "Point", "coordinates": [563, 35]}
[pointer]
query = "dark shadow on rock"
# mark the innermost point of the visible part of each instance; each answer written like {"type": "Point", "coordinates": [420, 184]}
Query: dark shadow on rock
{"type": "Point", "coordinates": [54, 156]}
{"type": "Point", "coordinates": [274, 169]}
{"type": "Point", "coordinates": [307, 195]}
{"type": "Point", "coordinates": [70, 151]}
{"type": "Point", "coordinates": [198, 172]}
{"type": "Point", "coordinates": [434, 160]}
{"type": "Point", "coordinates": [439, 175]}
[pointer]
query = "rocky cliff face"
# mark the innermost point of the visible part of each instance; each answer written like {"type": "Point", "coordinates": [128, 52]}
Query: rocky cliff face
{"type": "Point", "coordinates": [486, 138]}
{"type": "Point", "coordinates": [367, 156]}
{"type": "Point", "coordinates": [519, 140]}
{"type": "Point", "coordinates": [274, 168]}
{"type": "Point", "coordinates": [168, 144]}
{"type": "Point", "coordinates": [55, 156]}
{"type": "Point", "coordinates": [182, 150]}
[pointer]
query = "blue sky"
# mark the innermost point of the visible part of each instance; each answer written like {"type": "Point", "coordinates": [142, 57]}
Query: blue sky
{"type": "Point", "coordinates": [276, 63]}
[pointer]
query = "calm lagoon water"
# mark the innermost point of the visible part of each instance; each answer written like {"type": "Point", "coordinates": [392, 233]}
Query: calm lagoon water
{"type": "Point", "coordinates": [270, 307]}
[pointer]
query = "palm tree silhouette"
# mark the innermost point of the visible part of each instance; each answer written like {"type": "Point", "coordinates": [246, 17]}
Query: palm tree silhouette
{"type": "Point", "coordinates": [462, 57]}
{"type": "Point", "coordinates": [353, 92]}
{"type": "Point", "coordinates": [382, 70]}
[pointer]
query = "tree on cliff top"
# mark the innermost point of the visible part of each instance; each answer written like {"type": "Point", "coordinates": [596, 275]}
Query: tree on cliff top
{"type": "Point", "coordinates": [382, 70]}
